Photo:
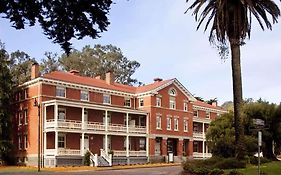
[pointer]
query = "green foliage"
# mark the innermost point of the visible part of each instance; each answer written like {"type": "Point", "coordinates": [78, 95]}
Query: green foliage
{"type": "Point", "coordinates": [216, 171]}
{"type": "Point", "coordinates": [61, 20]}
{"type": "Point", "coordinates": [234, 172]}
{"type": "Point", "coordinates": [99, 60]}
{"type": "Point", "coordinates": [230, 163]}
{"type": "Point", "coordinates": [87, 159]}
{"type": "Point", "coordinates": [50, 63]}
{"type": "Point", "coordinates": [254, 160]}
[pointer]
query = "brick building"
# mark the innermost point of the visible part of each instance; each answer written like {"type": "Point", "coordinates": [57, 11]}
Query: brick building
{"type": "Point", "coordinates": [117, 124]}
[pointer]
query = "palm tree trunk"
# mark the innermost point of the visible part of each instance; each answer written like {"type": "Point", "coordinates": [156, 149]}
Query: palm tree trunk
{"type": "Point", "coordinates": [237, 96]}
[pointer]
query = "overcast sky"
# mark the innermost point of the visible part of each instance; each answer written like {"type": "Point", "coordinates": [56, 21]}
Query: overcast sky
{"type": "Point", "coordinates": [165, 42]}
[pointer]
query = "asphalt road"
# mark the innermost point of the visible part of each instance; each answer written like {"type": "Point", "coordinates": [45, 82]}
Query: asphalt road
{"type": "Point", "coordinates": [170, 170]}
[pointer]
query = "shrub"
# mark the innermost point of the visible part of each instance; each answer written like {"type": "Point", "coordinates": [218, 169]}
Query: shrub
{"type": "Point", "coordinates": [230, 163]}
{"type": "Point", "coordinates": [87, 158]}
{"type": "Point", "coordinates": [196, 167]}
{"type": "Point", "coordinates": [216, 171]}
{"type": "Point", "coordinates": [254, 160]}
{"type": "Point", "coordinates": [234, 172]}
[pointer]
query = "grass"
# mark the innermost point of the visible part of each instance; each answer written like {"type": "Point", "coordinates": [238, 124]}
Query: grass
{"type": "Point", "coordinates": [272, 168]}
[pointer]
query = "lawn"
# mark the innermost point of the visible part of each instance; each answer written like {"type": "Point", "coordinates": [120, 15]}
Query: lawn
{"type": "Point", "coordinates": [272, 168]}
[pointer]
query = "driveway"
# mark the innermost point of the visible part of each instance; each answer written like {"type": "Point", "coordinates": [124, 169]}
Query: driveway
{"type": "Point", "coordinates": [167, 170]}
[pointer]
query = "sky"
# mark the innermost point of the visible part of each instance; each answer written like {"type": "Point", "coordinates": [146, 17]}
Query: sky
{"type": "Point", "coordinates": [164, 40]}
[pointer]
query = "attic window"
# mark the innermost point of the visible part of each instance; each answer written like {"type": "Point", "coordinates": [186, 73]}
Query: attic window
{"type": "Point", "coordinates": [172, 92]}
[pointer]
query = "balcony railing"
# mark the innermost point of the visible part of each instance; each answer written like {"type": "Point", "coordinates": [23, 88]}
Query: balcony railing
{"type": "Point", "coordinates": [198, 134]}
{"type": "Point", "coordinates": [92, 126]}
{"type": "Point", "coordinates": [120, 153]}
{"type": "Point", "coordinates": [201, 155]}
{"type": "Point", "coordinates": [63, 152]}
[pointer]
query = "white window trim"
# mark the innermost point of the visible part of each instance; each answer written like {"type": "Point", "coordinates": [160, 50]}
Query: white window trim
{"type": "Point", "coordinates": [19, 142]}
{"type": "Point", "coordinates": [208, 114]}
{"type": "Point", "coordinates": [158, 99]}
{"type": "Point", "coordinates": [176, 121]}
{"type": "Point", "coordinates": [172, 106]}
{"type": "Point", "coordinates": [172, 92]}
{"type": "Point", "coordinates": [160, 122]}
{"type": "Point", "coordinates": [125, 101]}
{"type": "Point", "coordinates": [62, 109]}
{"type": "Point", "coordinates": [170, 122]}
{"type": "Point", "coordinates": [25, 116]}
{"type": "Point", "coordinates": [185, 123]}
{"type": "Point", "coordinates": [61, 88]}
{"type": "Point", "coordinates": [185, 106]}
{"type": "Point", "coordinates": [85, 92]}
{"type": "Point", "coordinates": [141, 99]}
{"type": "Point", "coordinates": [109, 97]}
{"type": "Point", "coordinates": [62, 135]}
{"type": "Point", "coordinates": [197, 113]}
{"type": "Point", "coordinates": [25, 141]}
{"type": "Point", "coordinates": [20, 118]}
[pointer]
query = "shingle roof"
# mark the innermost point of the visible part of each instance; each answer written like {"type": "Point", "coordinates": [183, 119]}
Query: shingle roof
{"type": "Point", "coordinates": [203, 104]}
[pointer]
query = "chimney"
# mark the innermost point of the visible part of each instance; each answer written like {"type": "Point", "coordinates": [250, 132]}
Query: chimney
{"type": "Point", "coordinates": [35, 70]}
{"type": "Point", "coordinates": [74, 72]}
{"type": "Point", "coordinates": [109, 77]}
{"type": "Point", "coordinates": [157, 79]}
{"type": "Point", "coordinates": [214, 103]}
{"type": "Point", "coordinates": [98, 77]}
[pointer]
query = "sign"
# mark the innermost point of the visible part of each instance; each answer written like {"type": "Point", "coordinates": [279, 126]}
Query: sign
{"type": "Point", "coordinates": [260, 138]}
{"type": "Point", "coordinates": [258, 122]}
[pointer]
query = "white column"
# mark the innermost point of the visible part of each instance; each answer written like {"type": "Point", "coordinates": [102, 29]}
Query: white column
{"type": "Point", "coordinates": [106, 143]}
{"type": "Point", "coordinates": [82, 143]}
{"type": "Point", "coordinates": [83, 118]}
{"type": "Point", "coordinates": [203, 145]}
{"type": "Point", "coordinates": [56, 143]}
{"type": "Point", "coordinates": [106, 134]}
{"type": "Point", "coordinates": [147, 146]}
{"type": "Point", "coordinates": [147, 124]}
{"type": "Point", "coordinates": [56, 114]}
{"type": "Point", "coordinates": [127, 122]}
{"type": "Point", "coordinates": [45, 142]}
{"type": "Point", "coordinates": [127, 146]}
{"type": "Point", "coordinates": [44, 116]}
{"type": "Point", "coordinates": [106, 121]}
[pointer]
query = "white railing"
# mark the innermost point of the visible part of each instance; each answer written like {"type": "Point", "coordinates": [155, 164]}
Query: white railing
{"type": "Point", "coordinates": [201, 155]}
{"type": "Point", "coordinates": [119, 153]}
{"type": "Point", "coordinates": [137, 129]}
{"type": "Point", "coordinates": [94, 158]}
{"type": "Point", "coordinates": [69, 152]}
{"type": "Point", "coordinates": [197, 134]}
{"type": "Point", "coordinates": [106, 156]}
{"type": "Point", "coordinates": [95, 126]}
{"type": "Point", "coordinates": [50, 152]}
{"type": "Point", "coordinates": [137, 153]}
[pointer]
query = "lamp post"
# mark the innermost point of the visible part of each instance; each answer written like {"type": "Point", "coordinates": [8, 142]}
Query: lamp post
{"type": "Point", "coordinates": [36, 104]}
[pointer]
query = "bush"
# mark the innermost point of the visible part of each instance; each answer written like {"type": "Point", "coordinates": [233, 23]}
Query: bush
{"type": "Point", "coordinates": [216, 171]}
{"type": "Point", "coordinates": [196, 167]}
{"type": "Point", "coordinates": [230, 163]}
{"type": "Point", "coordinates": [255, 161]}
{"type": "Point", "coordinates": [87, 160]}
{"type": "Point", "coordinates": [234, 172]}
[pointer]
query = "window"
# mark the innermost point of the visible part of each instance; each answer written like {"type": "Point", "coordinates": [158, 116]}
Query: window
{"type": "Point", "coordinates": [195, 113]}
{"type": "Point", "coordinates": [169, 123]}
{"type": "Point", "coordinates": [195, 127]}
{"type": "Point", "coordinates": [185, 107]}
{"type": "Point", "coordinates": [20, 142]}
{"type": "Point", "coordinates": [172, 103]}
{"type": "Point", "coordinates": [61, 141]}
{"type": "Point", "coordinates": [172, 92]}
{"type": "Point", "coordinates": [158, 101]}
{"type": "Point", "coordinates": [141, 103]}
{"type": "Point", "coordinates": [185, 125]}
{"type": "Point", "coordinates": [142, 143]}
{"type": "Point", "coordinates": [208, 115]}
{"type": "Point", "coordinates": [127, 102]}
{"type": "Point", "coordinates": [106, 99]}
{"type": "Point", "coordinates": [25, 117]}
{"type": "Point", "coordinates": [25, 93]}
{"type": "Point", "coordinates": [158, 122]}
{"type": "Point", "coordinates": [84, 95]}
{"type": "Point", "coordinates": [61, 114]}
{"type": "Point", "coordinates": [60, 91]}
{"type": "Point", "coordinates": [25, 142]}
{"type": "Point", "coordinates": [195, 146]}
{"type": "Point", "coordinates": [176, 123]}
{"type": "Point", "coordinates": [20, 117]}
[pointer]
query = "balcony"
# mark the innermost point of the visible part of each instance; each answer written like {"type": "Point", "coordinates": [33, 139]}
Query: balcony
{"type": "Point", "coordinates": [63, 152]}
{"type": "Point", "coordinates": [119, 153]}
{"type": "Point", "coordinates": [198, 134]}
{"type": "Point", "coordinates": [75, 125]}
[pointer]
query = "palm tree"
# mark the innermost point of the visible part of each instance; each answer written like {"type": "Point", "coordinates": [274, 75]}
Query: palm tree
{"type": "Point", "coordinates": [231, 23]}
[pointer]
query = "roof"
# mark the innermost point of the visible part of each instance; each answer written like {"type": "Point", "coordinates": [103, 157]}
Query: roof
{"type": "Point", "coordinates": [206, 105]}
{"type": "Point", "coordinates": [151, 86]}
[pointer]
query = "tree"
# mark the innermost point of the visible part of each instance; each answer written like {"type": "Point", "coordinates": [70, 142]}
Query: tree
{"type": "Point", "coordinates": [96, 61]}
{"type": "Point", "coordinates": [232, 24]}
{"type": "Point", "coordinates": [61, 20]}
{"type": "Point", "coordinates": [5, 111]}
{"type": "Point", "coordinates": [20, 66]}
{"type": "Point", "coordinates": [50, 63]}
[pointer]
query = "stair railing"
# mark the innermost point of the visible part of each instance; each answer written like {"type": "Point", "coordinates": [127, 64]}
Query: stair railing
{"type": "Point", "coordinates": [93, 158]}
{"type": "Point", "coordinates": [107, 157]}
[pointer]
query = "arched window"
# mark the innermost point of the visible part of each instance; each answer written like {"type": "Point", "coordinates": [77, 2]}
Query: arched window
{"type": "Point", "coordinates": [172, 92]}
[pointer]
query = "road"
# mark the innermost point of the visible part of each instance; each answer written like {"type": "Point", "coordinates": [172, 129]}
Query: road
{"type": "Point", "coordinates": [170, 170]}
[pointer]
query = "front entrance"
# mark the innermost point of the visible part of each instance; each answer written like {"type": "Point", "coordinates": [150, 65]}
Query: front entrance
{"type": "Point", "coordinates": [157, 147]}
{"type": "Point", "coordinates": [172, 146]}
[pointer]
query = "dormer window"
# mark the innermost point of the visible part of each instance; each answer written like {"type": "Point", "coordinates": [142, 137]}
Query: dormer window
{"type": "Point", "coordinates": [141, 102]}
{"type": "Point", "coordinates": [106, 99]}
{"type": "Point", "coordinates": [84, 95]}
{"type": "Point", "coordinates": [127, 102]}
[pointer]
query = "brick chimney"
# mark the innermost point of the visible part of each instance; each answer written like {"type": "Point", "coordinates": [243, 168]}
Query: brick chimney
{"type": "Point", "coordinates": [214, 103]}
{"type": "Point", "coordinates": [98, 77]}
{"type": "Point", "coordinates": [74, 72]}
{"type": "Point", "coordinates": [35, 70]}
{"type": "Point", "coordinates": [109, 77]}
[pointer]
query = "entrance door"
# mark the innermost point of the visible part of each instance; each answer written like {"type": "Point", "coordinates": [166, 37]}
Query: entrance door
{"type": "Point", "coordinates": [157, 147]}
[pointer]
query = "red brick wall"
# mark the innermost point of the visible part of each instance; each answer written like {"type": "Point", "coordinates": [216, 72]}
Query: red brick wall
{"type": "Point", "coordinates": [95, 115]}
{"type": "Point", "coordinates": [117, 118]}
{"type": "Point", "coordinates": [95, 143]}
{"type": "Point", "coordinates": [73, 94]}
{"type": "Point", "coordinates": [73, 141]}
{"type": "Point", "coordinates": [117, 142]}
{"type": "Point", "coordinates": [50, 112]}
{"type": "Point", "coordinates": [50, 140]}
